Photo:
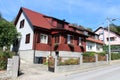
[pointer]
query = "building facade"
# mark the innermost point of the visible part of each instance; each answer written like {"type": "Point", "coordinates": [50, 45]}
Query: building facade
{"type": "Point", "coordinates": [43, 36]}
{"type": "Point", "coordinates": [93, 43]}
{"type": "Point", "coordinates": [103, 36]}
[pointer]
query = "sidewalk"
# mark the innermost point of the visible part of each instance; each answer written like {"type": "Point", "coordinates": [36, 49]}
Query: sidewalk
{"type": "Point", "coordinates": [40, 72]}
{"type": "Point", "coordinates": [37, 74]}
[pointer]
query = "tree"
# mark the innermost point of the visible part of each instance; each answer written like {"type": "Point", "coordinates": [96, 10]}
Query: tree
{"type": "Point", "coordinates": [115, 28]}
{"type": "Point", "coordinates": [8, 33]}
{"type": "Point", "coordinates": [90, 29]}
{"type": "Point", "coordinates": [0, 15]}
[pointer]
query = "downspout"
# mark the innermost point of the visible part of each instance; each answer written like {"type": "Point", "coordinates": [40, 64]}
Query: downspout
{"type": "Point", "coordinates": [34, 46]}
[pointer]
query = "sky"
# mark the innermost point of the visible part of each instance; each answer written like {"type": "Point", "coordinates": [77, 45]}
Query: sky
{"type": "Point", "coordinates": [88, 13]}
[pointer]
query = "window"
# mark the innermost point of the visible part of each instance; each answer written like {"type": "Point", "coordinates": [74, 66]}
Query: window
{"type": "Point", "coordinates": [85, 33]}
{"type": "Point", "coordinates": [69, 39]}
{"type": "Point", "coordinates": [27, 38]}
{"type": "Point", "coordinates": [60, 25]}
{"type": "Point", "coordinates": [56, 38]}
{"type": "Point", "coordinates": [89, 47]}
{"type": "Point", "coordinates": [98, 48]}
{"type": "Point", "coordinates": [111, 39]}
{"type": "Point", "coordinates": [101, 33]}
{"type": "Point", "coordinates": [80, 41]}
{"type": "Point", "coordinates": [43, 38]}
{"type": "Point", "coordinates": [96, 37]}
{"type": "Point", "coordinates": [22, 23]}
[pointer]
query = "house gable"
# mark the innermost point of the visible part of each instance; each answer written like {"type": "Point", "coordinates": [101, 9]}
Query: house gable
{"type": "Point", "coordinates": [103, 35]}
{"type": "Point", "coordinates": [27, 29]}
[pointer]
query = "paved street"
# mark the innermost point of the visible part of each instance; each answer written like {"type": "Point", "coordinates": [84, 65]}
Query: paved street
{"type": "Point", "coordinates": [107, 73]}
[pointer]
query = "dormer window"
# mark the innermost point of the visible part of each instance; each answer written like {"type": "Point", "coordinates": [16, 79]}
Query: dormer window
{"type": "Point", "coordinates": [60, 25]}
{"type": "Point", "coordinates": [22, 23]}
{"type": "Point", "coordinates": [85, 33]}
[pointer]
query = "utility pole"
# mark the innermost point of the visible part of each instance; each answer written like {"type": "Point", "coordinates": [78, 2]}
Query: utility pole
{"type": "Point", "coordinates": [109, 45]}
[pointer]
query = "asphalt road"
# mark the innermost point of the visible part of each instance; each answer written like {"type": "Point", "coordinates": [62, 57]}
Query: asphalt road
{"type": "Point", "coordinates": [107, 73]}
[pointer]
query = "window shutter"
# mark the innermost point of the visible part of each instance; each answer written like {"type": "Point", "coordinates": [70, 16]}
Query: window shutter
{"type": "Point", "coordinates": [65, 38]}
{"type": "Point", "coordinates": [38, 38]}
{"type": "Point", "coordinates": [49, 39]}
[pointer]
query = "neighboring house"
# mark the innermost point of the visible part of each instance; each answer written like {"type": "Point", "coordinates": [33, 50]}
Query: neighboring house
{"type": "Point", "coordinates": [43, 36]}
{"type": "Point", "coordinates": [103, 35]}
{"type": "Point", "coordinates": [93, 43]}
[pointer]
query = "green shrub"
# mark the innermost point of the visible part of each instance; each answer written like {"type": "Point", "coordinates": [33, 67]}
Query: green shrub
{"type": "Point", "coordinates": [3, 59]}
{"type": "Point", "coordinates": [115, 56]}
{"type": "Point", "coordinates": [102, 53]}
{"type": "Point", "coordinates": [70, 61]}
{"type": "Point", "coordinates": [89, 54]}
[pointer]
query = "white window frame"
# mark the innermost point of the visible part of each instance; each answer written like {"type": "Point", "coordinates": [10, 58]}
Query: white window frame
{"type": "Point", "coordinates": [90, 47]}
{"type": "Point", "coordinates": [68, 39]}
{"type": "Point", "coordinates": [43, 40]}
{"type": "Point", "coordinates": [85, 33]}
{"type": "Point", "coordinates": [80, 41]}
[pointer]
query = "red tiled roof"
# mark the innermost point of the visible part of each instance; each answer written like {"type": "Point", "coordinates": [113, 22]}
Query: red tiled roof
{"type": "Point", "coordinates": [94, 40]}
{"type": "Point", "coordinates": [36, 19]}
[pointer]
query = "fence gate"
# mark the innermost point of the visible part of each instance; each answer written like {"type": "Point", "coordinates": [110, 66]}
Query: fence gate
{"type": "Point", "coordinates": [51, 64]}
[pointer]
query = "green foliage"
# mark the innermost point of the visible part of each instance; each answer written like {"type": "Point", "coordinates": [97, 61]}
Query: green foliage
{"type": "Point", "coordinates": [89, 54]}
{"type": "Point", "coordinates": [115, 56]}
{"type": "Point", "coordinates": [45, 63]}
{"type": "Point", "coordinates": [3, 59]}
{"type": "Point", "coordinates": [56, 44]}
{"type": "Point", "coordinates": [113, 47]}
{"type": "Point", "coordinates": [70, 61]}
{"type": "Point", "coordinates": [90, 29]}
{"type": "Point", "coordinates": [102, 53]}
{"type": "Point", "coordinates": [115, 28]}
{"type": "Point", "coordinates": [105, 47]}
{"type": "Point", "coordinates": [8, 33]}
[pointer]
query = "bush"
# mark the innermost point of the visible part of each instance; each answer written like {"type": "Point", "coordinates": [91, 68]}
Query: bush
{"type": "Point", "coordinates": [115, 56]}
{"type": "Point", "coordinates": [102, 53]}
{"type": "Point", "coordinates": [3, 59]}
{"type": "Point", "coordinates": [70, 61]}
{"type": "Point", "coordinates": [89, 54]}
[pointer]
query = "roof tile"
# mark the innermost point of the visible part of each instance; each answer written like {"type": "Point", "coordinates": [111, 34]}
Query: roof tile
{"type": "Point", "coordinates": [37, 19]}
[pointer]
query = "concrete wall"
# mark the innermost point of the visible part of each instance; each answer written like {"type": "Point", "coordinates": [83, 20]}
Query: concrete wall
{"type": "Point", "coordinates": [13, 67]}
{"type": "Point", "coordinates": [27, 55]}
{"type": "Point", "coordinates": [42, 53]}
{"type": "Point", "coordinates": [25, 30]}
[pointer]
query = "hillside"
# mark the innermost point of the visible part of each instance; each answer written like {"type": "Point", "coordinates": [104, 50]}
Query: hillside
{"type": "Point", "coordinates": [115, 28]}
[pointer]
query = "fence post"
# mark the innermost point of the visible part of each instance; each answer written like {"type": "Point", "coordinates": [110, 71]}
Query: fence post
{"type": "Point", "coordinates": [9, 66]}
{"type": "Point", "coordinates": [96, 58]}
{"type": "Point", "coordinates": [81, 59]}
{"type": "Point", "coordinates": [55, 64]}
{"type": "Point", "coordinates": [15, 68]}
{"type": "Point", "coordinates": [107, 57]}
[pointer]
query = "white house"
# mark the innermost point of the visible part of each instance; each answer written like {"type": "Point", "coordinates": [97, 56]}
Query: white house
{"type": "Point", "coordinates": [93, 43]}
{"type": "Point", "coordinates": [103, 36]}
